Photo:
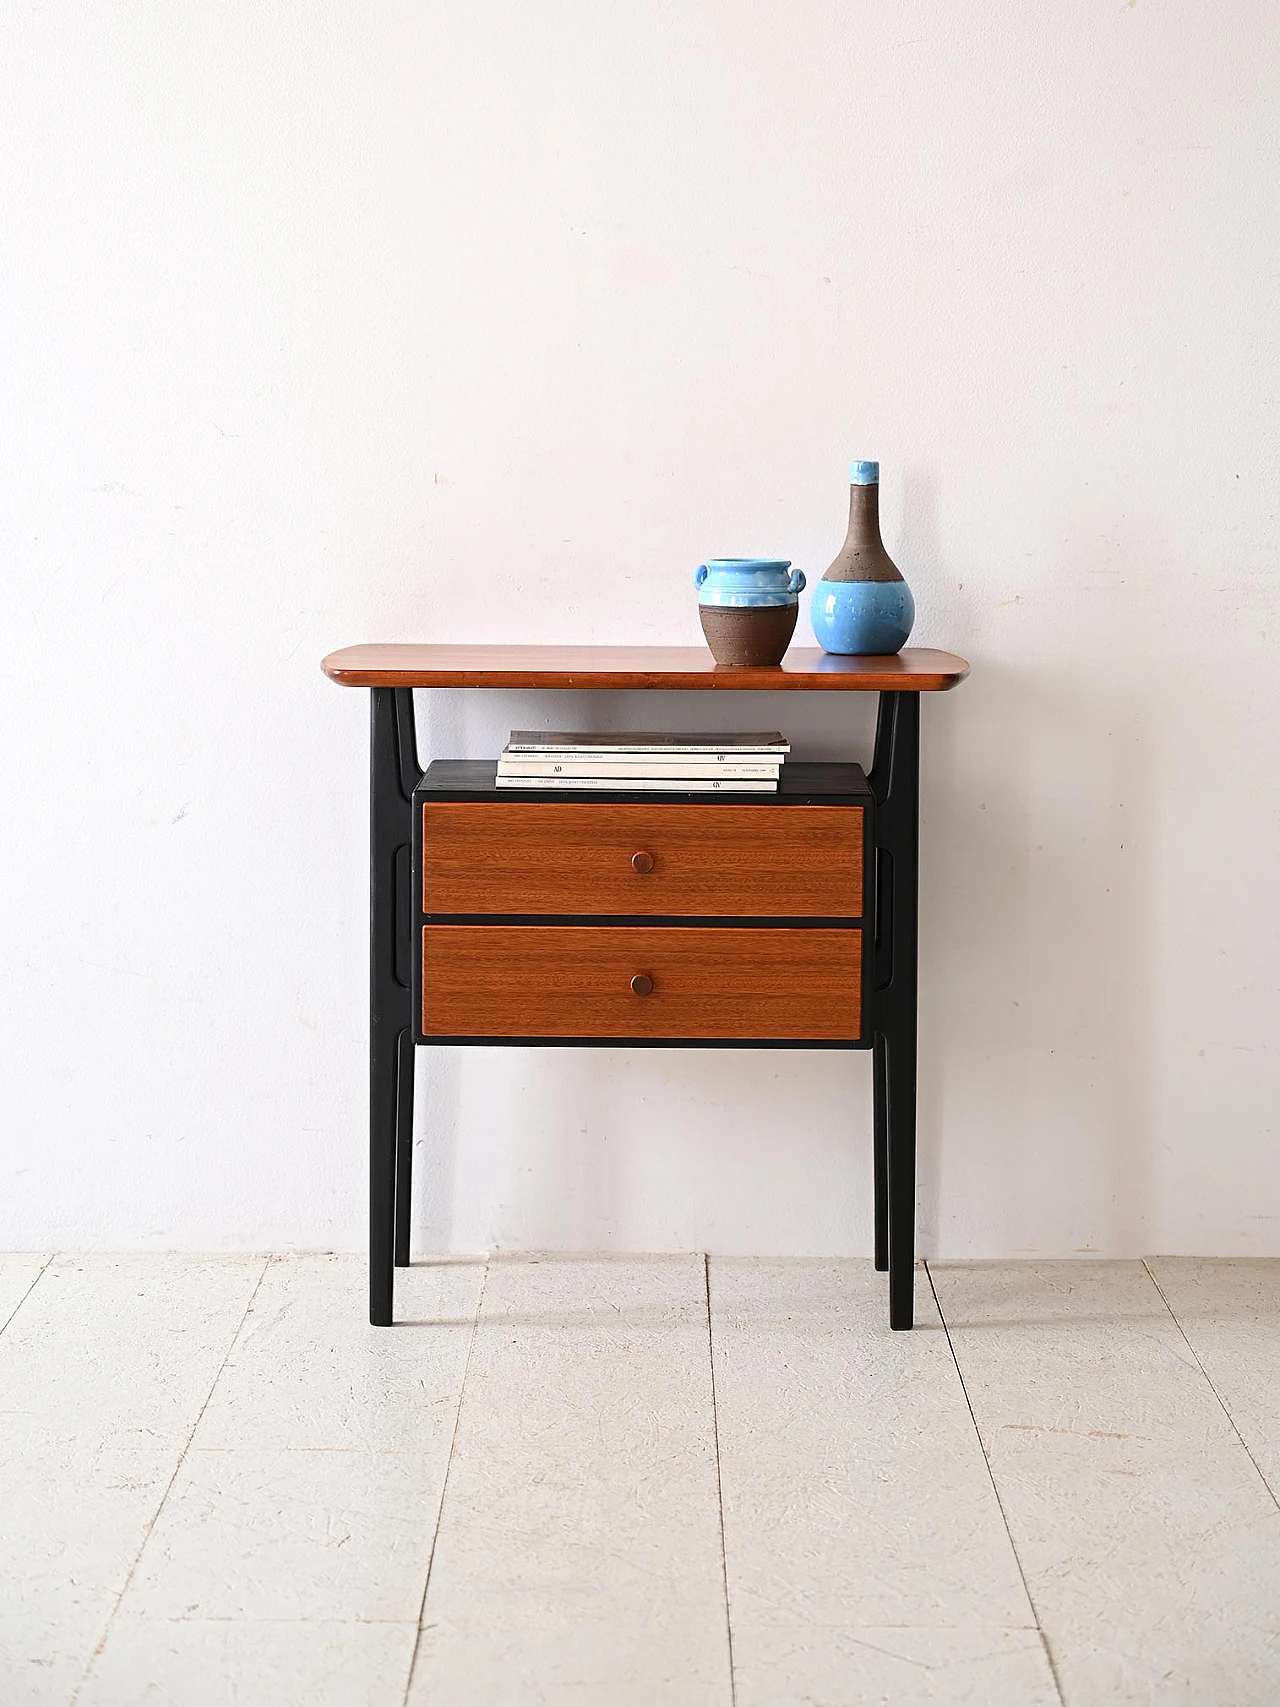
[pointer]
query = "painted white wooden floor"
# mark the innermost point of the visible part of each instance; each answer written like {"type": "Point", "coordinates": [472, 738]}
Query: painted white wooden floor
{"type": "Point", "coordinates": [646, 1480]}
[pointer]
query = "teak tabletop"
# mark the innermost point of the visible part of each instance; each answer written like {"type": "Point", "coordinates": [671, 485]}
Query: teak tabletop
{"type": "Point", "coordinates": [425, 666]}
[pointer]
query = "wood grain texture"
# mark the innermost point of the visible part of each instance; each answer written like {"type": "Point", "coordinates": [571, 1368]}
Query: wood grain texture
{"type": "Point", "coordinates": [568, 857]}
{"type": "Point", "coordinates": [917, 669]}
{"type": "Point", "coordinates": [575, 981]}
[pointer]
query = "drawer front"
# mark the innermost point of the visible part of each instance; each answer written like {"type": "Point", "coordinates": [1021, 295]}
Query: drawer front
{"type": "Point", "coordinates": [661, 860]}
{"type": "Point", "coordinates": [576, 981]}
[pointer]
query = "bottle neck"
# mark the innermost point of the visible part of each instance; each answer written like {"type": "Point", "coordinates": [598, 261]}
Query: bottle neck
{"type": "Point", "coordinates": [864, 516]}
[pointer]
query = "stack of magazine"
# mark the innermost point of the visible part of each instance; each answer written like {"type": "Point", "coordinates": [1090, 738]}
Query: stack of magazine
{"type": "Point", "coordinates": [627, 763]}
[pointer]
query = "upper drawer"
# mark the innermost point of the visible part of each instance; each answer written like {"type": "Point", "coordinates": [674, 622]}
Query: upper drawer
{"type": "Point", "coordinates": [761, 861]}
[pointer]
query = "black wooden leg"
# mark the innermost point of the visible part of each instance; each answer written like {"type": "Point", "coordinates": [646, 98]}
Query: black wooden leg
{"type": "Point", "coordinates": [404, 1146]}
{"type": "Point", "coordinates": [895, 782]}
{"type": "Point", "coordinates": [880, 1094]}
{"type": "Point", "coordinates": [384, 1050]}
{"type": "Point", "coordinates": [902, 1180]}
{"type": "Point", "coordinates": [392, 779]}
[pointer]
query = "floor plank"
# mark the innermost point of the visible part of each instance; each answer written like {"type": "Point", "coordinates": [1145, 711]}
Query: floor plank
{"type": "Point", "coordinates": [1151, 1547]}
{"type": "Point", "coordinates": [1229, 1309]}
{"type": "Point", "coordinates": [103, 1373]}
{"type": "Point", "coordinates": [311, 1490]}
{"type": "Point", "coordinates": [293, 1535]}
{"type": "Point", "coordinates": [579, 1550]}
{"type": "Point", "coordinates": [195, 1662]}
{"type": "Point", "coordinates": [866, 1554]}
{"type": "Point", "coordinates": [578, 1553]}
{"type": "Point", "coordinates": [851, 1665]}
{"type": "Point", "coordinates": [19, 1272]}
{"type": "Point", "coordinates": [308, 1372]}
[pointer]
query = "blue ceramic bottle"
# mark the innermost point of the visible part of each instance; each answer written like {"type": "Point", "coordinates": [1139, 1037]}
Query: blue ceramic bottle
{"type": "Point", "coordinates": [862, 605]}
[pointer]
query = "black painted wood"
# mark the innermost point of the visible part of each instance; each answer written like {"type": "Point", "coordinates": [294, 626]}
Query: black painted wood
{"type": "Point", "coordinates": [803, 782]}
{"type": "Point", "coordinates": [890, 798]}
{"type": "Point", "coordinates": [895, 782]}
{"type": "Point", "coordinates": [393, 775]}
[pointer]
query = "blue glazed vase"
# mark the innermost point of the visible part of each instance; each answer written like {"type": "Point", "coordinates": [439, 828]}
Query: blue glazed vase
{"type": "Point", "coordinates": [862, 606]}
{"type": "Point", "coordinates": [742, 583]}
{"type": "Point", "coordinates": [748, 607]}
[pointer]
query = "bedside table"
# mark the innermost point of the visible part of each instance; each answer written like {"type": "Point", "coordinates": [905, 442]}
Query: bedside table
{"type": "Point", "coordinates": [692, 920]}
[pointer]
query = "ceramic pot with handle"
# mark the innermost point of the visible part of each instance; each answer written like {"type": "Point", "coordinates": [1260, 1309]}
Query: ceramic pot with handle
{"type": "Point", "coordinates": [748, 608]}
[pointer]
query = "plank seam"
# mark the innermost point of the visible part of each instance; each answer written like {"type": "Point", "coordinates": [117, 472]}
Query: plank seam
{"type": "Point", "coordinates": [168, 1489]}
{"type": "Point", "coordinates": [444, 1486]}
{"type": "Point", "coordinates": [1209, 1381]}
{"type": "Point", "coordinates": [39, 1272]}
{"type": "Point", "coordinates": [1004, 1516]}
{"type": "Point", "coordinates": [715, 1436]}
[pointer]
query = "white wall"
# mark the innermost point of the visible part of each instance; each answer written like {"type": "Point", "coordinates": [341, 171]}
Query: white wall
{"type": "Point", "coordinates": [457, 321]}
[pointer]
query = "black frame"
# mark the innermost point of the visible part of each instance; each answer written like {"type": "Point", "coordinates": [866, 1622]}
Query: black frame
{"type": "Point", "coordinates": [890, 796]}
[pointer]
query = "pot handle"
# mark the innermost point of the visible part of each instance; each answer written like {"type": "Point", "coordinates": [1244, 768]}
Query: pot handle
{"type": "Point", "coordinates": [700, 574]}
{"type": "Point", "coordinates": [796, 583]}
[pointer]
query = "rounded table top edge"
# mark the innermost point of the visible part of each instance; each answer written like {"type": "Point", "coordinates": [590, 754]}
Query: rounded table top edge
{"type": "Point", "coordinates": [406, 664]}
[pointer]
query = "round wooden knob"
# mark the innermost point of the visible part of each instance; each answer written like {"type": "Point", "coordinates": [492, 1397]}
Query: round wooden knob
{"type": "Point", "coordinates": [642, 861]}
{"type": "Point", "coordinates": [642, 984]}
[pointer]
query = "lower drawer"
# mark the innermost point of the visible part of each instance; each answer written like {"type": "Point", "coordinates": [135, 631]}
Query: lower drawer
{"type": "Point", "coordinates": [641, 981]}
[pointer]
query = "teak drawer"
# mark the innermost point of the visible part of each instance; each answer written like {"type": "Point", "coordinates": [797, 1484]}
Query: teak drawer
{"type": "Point", "coordinates": [576, 981]}
{"type": "Point", "coordinates": [663, 860]}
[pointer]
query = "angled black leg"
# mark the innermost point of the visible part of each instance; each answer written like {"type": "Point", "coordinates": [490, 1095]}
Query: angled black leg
{"type": "Point", "coordinates": [392, 778]}
{"type": "Point", "coordinates": [404, 1146]}
{"type": "Point", "coordinates": [880, 1093]}
{"type": "Point", "coordinates": [902, 1180]}
{"type": "Point", "coordinates": [895, 782]}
